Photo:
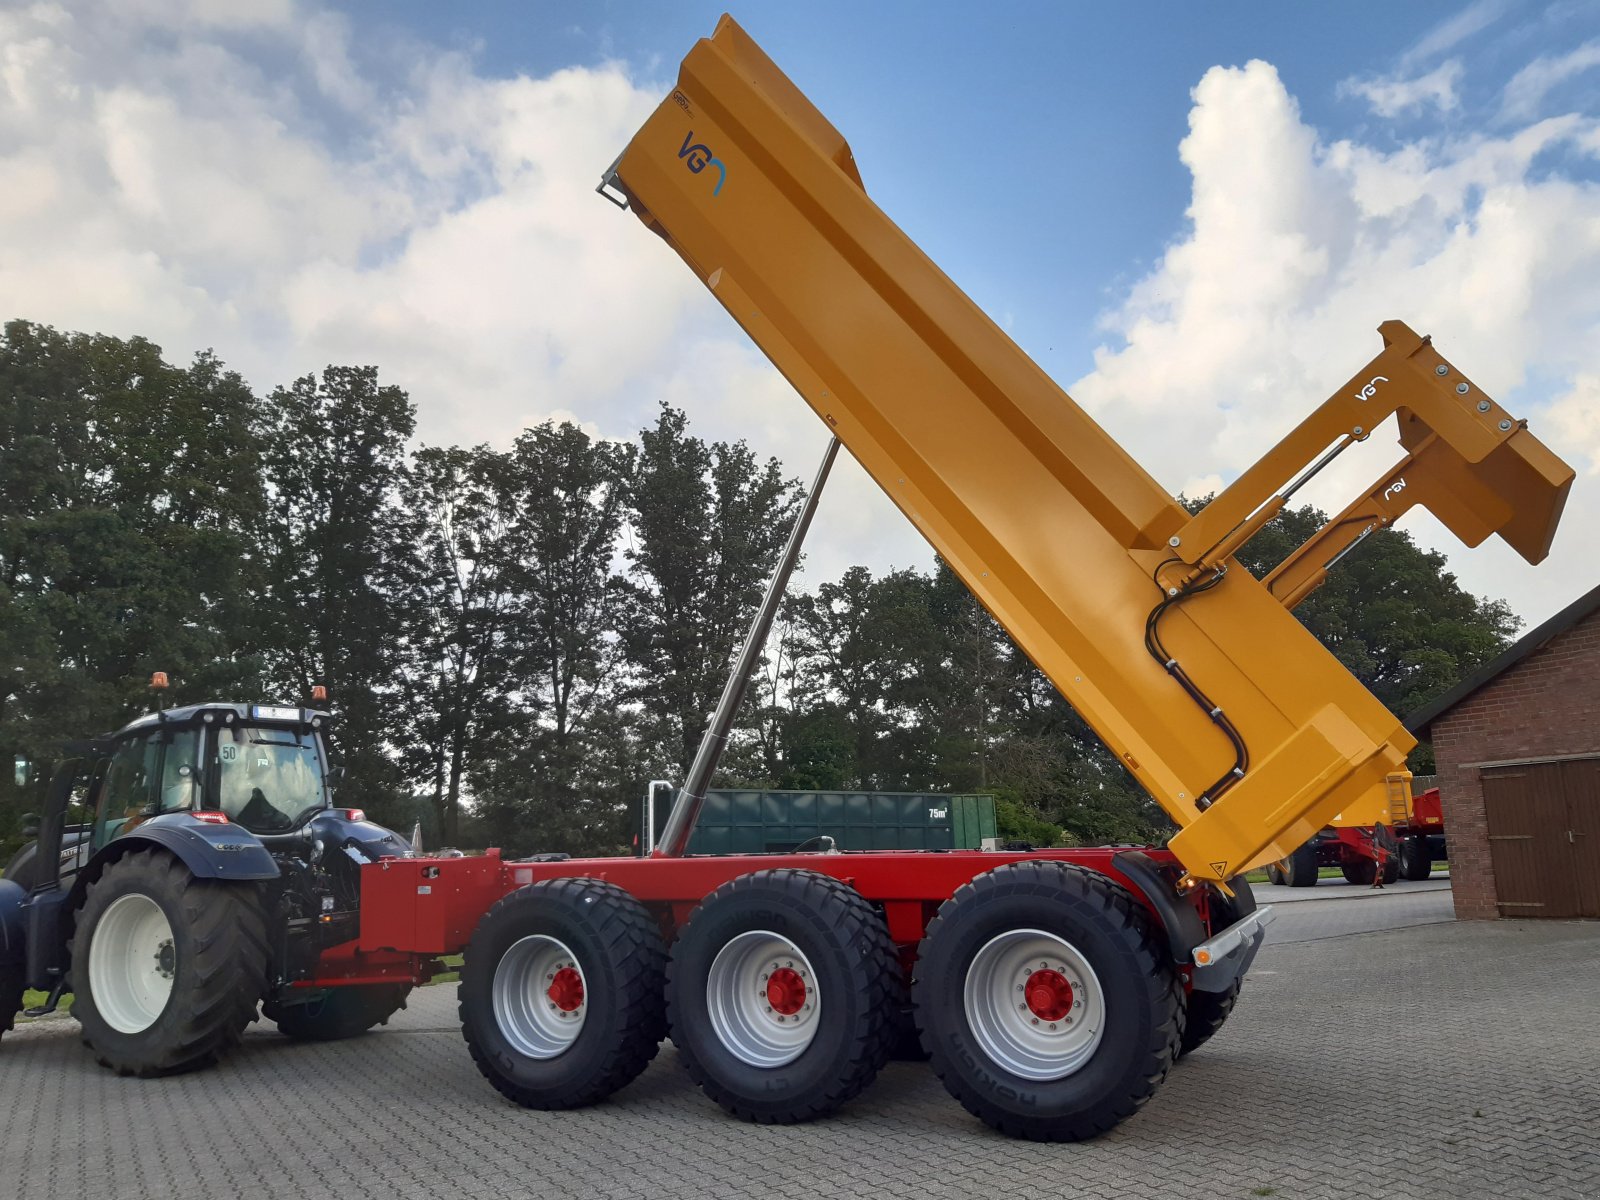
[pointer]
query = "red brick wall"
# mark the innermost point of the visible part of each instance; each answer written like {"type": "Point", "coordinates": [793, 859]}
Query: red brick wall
{"type": "Point", "coordinates": [1545, 706]}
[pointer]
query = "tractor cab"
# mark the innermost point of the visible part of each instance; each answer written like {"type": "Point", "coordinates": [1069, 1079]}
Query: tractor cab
{"type": "Point", "coordinates": [262, 768]}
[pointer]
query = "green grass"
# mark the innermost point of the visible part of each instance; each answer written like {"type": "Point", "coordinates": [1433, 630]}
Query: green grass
{"type": "Point", "coordinates": [452, 974]}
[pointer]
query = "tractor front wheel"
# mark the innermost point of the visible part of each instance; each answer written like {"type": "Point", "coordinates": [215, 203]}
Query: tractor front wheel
{"type": "Point", "coordinates": [1047, 1001]}
{"type": "Point", "coordinates": [338, 1013]}
{"type": "Point", "coordinates": [167, 969]}
{"type": "Point", "coordinates": [12, 961]}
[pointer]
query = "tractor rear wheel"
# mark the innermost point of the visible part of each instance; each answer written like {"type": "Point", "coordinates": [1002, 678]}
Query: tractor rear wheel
{"type": "Point", "coordinates": [1047, 1001]}
{"type": "Point", "coordinates": [338, 1013]}
{"type": "Point", "coordinates": [1415, 862]}
{"type": "Point", "coordinates": [781, 995]}
{"type": "Point", "coordinates": [167, 969]}
{"type": "Point", "coordinates": [21, 870]}
{"type": "Point", "coordinates": [12, 962]}
{"type": "Point", "coordinates": [561, 993]}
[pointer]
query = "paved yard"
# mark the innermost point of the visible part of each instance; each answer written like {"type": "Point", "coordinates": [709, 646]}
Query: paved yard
{"type": "Point", "coordinates": [1434, 1060]}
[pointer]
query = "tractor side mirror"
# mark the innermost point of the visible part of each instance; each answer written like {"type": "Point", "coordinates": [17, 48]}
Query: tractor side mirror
{"type": "Point", "coordinates": [30, 826]}
{"type": "Point", "coordinates": [335, 778]}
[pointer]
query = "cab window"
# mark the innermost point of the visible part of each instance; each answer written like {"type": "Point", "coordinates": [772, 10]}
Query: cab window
{"type": "Point", "coordinates": [180, 773]}
{"type": "Point", "coordinates": [128, 794]}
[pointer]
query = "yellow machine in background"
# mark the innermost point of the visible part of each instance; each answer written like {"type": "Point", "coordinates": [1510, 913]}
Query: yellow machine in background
{"type": "Point", "coordinates": [1195, 673]}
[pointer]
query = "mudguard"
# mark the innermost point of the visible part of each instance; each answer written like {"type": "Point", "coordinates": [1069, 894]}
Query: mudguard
{"type": "Point", "coordinates": [209, 851]}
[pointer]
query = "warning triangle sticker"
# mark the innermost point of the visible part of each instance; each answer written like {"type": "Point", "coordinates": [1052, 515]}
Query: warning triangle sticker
{"type": "Point", "coordinates": [1221, 868]}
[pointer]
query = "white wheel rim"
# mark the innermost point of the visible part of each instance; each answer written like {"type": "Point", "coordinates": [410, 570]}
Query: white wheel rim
{"type": "Point", "coordinates": [132, 963]}
{"type": "Point", "coordinates": [1035, 1004]}
{"type": "Point", "coordinates": [541, 996]}
{"type": "Point", "coordinates": [763, 1000]}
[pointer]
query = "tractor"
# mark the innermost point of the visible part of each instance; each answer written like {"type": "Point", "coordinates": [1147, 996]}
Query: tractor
{"type": "Point", "coordinates": [187, 870]}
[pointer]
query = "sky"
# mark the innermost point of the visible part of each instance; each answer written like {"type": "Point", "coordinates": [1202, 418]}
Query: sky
{"type": "Point", "coordinates": [1193, 216]}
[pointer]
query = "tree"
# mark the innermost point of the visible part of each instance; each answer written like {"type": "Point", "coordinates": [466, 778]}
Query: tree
{"type": "Point", "coordinates": [334, 447]}
{"type": "Point", "coordinates": [129, 491]}
{"type": "Point", "coordinates": [456, 597]}
{"type": "Point", "coordinates": [706, 525]}
{"type": "Point", "coordinates": [543, 783]}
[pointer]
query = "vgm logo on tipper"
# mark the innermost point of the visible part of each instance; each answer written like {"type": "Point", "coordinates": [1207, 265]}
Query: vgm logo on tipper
{"type": "Point", "coordinates": [697, 157]}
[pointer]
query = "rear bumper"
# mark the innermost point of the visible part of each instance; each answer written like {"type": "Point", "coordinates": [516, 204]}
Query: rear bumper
{"type": "Point", "coordinates": [1224, 958]}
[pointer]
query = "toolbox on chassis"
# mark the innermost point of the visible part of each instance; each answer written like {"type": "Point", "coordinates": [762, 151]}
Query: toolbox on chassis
{"type": "Point", "coordinates": [1051, 989]}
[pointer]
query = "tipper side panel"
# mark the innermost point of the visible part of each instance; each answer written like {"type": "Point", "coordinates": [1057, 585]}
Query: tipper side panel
{"type": "Point", "coordinates": [1016, 487]}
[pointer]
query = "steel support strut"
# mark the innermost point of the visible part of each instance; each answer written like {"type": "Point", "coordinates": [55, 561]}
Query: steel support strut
{"type": "Point", "coordinates": [686, 810]}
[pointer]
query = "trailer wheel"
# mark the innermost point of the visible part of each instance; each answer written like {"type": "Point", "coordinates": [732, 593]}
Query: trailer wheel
{"type": "Point", "coordinates": [1415, 862]}
{"type": "Point", "coordinates": [1300, 868]}
{"type": "Point", "coordinates": [561, 993]}
{"type": "Point", "coordinates": [1047, 1002]}
{"type": "Point", "coordinates": [781, 992]}
{"type": "Point", "coordinates": [1360, 871]}
{"type": "Point", "coordinates": [167, 969]}
{"type": "Point", "coordinates": [338, 1013]}
{"type": "Point", "coordinates": [1207, 1013]}
{"type": "Point", "coordinates": [1275, 874]}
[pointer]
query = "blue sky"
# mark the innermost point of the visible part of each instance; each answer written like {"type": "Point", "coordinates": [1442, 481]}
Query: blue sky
{"type": "Point", "coordinates": [1192, 215]}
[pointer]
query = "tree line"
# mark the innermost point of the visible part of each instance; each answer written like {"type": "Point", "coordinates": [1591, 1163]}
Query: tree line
{"type": "Point", "coordinates": [516, 640]}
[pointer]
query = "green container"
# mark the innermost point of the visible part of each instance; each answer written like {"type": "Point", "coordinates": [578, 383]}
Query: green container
{"type": "Point", "coordinates": [759, 822]}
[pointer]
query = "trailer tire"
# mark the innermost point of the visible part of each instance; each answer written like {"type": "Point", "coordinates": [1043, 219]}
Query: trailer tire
{"type": "Point", "coordinates": [1361, 871]}
{"type": "Point", "coordinates": [1275, 874]}
{"type": "Point", "coordinates": [600, 1021]}
{"type": "Point", "coordinates": [1300, 868]}
{"type": "Point", "coordinates": [1207, 1013]}
{"type": "Point", "coordinates": [796, 1042]}
{"type": "Point", "coordinates": [1097, 955]}
{"type": "Point", "coordinates": [208, 940]}
{"type": "Point", "coordinates": [1415, 862]}
{"type": "Point", "coordinates": [341, 1012]}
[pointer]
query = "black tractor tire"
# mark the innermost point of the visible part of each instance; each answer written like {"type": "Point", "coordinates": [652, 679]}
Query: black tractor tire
{"type": "Point", "coordinates": [338, 1013]}
{"type": "Point", "coordinates": [1300, 868]}
{"type": "Point", "coordinates": [1360, 871]}
{"type": "Point", "coordinates": [1415, 862]}
{"type": "Point", "coordinates": [610, 949]}
{"type": "Point", "coordinates": [1062, 1084]}
{"type": "Point", "coordinates": [217, 965]}
{"type": "Point", "coordinates": [11, 990]}
{"type": "Point", "coordinates": [23, 867]}
{"type": "Point", "coordinates": [833, 946]}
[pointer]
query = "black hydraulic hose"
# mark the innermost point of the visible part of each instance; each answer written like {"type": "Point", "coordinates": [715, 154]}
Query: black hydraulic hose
{"type": "Point", "coordinates": [1153, 644]}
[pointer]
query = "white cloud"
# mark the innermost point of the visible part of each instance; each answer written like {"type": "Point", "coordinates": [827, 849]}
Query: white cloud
{"type": "Point", "coordinates": [1393, 97]}
{"type": "Point", "coordinates": [360, 203]}
{"type": "Point", "coordinates": [1297, 248]}
{"type": "Point", "coordinates": [1528, 87]}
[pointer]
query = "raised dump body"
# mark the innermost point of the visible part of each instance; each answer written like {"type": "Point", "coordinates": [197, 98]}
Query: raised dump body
{"type": "Point", "coordinates": [1196, 674]}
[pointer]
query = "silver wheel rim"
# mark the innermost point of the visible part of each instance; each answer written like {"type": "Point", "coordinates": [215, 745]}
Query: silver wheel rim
{"type": "Point", "coordinates": [132, 964]}
{"type": "Point", "coordinates": [763, 999]}
{"type": "Point", "coordinates": [1035, 1029]}
{"type": "Point", "coordinates": [541, 996]}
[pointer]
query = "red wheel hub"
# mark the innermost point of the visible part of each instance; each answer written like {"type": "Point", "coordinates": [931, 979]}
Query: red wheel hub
{"type": "Point", "coordinates": [786, 991]}
{"type": "Point", "coordinates": [1049, 995]}
{"type": "Point", "coordinates": [566, 990]}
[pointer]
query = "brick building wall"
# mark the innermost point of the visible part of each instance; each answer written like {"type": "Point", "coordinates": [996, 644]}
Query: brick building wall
{"type": "Point", "coordinates": [1545, 706]}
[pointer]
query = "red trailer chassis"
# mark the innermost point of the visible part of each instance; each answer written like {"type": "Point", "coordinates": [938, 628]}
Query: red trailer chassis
{"type": "Point", "coordinates": [853, 940]}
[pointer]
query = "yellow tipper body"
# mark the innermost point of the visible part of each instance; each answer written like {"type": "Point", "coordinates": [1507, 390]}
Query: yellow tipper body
{"type": "Point", "coordinates": [1057, 530]}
